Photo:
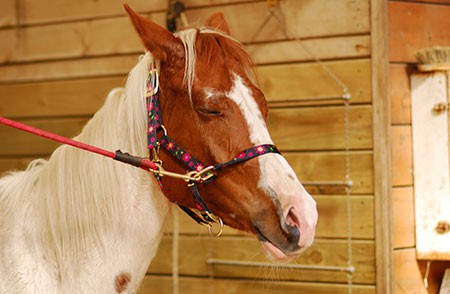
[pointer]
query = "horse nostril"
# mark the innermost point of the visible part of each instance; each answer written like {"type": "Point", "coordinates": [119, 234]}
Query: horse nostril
{"type": "Point", "coordinates": [291, 227]}
{"type": "Point", "coordinates": [291, 218]}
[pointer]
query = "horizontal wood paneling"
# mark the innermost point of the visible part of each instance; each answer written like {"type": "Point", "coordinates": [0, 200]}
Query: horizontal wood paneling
{"type": "Point", "coordinates": [320, 128]}
{"type": "Point", "coordinates": [163, 285]}
{"type": "Point", "coordinates": [414, 26]}
{"type": "Point", "coordinates": [71, 40]}
{"type": "Point", "coordinates": [68, 69]}
{"type": "Point", "coordinates": [114, 35]}
{"type": "Point", "coordinates": [343, 17]}
{"type": "Point", "coordinates": [332, 222]}
{"type": "Point", "coordinates": [293, 51]}
{"type": "Point", "coordinates": [292, 129]}
{"type": "Point", "coordinates": [66, 10]}
{"type": "Point", "coordinates": [297, 81]}
{"type": "Point", "coordinates": [15, 142]}
{"type": "Point", "coordinates": [329, 167]}
{"type": "Point", "coordinates": [292, 82]}
{"type": "Point", "coordinates": [117, 36]}
{"type": "Point", "coordinates": [56, 98]}
{"type": "Point", "coordinates": [323, 252]}
{"type": "Point", "coordinates": [51, 11]}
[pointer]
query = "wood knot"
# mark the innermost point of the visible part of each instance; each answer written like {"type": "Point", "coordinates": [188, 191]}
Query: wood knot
{"type": "Point", "coordinates": [122, 282]}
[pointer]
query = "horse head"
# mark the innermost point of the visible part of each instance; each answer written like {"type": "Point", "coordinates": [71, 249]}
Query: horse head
{"type": "Point", "coordinates": [211, 106]}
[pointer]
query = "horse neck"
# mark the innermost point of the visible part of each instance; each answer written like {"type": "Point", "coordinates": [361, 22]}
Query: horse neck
{"type": "Point", "coordinates": [82, 196]}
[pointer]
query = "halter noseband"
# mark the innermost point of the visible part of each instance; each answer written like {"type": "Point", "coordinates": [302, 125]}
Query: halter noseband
{"type": "Point", "coordinates": [198, 172]}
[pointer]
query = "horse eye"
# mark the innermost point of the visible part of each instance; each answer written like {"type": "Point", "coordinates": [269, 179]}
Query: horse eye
{"type": "Point", "coordinates": [210, 112]}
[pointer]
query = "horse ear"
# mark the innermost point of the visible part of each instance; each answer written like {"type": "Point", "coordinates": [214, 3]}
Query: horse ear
{"type": "Point", "coordinates": [159, 41]}
{"type": "Point", "coordinates": [217, 21]}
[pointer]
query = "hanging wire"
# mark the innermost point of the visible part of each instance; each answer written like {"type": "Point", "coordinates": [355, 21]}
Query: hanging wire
{"type": "Point", "coordinates": [273, 8]}
{"type": "Point", "coordinates": [348, 192]}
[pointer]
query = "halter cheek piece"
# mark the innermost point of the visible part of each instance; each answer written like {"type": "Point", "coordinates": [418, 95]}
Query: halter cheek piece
{"type": "Point", "coordinates": [198, 172]}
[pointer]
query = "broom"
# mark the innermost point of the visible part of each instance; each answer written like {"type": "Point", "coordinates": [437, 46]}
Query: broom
{"type": "Point", "coordinates": [434, 58]}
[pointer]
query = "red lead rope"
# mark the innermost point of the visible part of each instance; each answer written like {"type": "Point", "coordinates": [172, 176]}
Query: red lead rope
{"type": "Point", "coordinates": [141, 162]}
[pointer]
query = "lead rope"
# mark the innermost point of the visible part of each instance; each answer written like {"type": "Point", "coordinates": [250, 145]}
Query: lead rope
{"type": "Point", "coordinates": [272, 7]}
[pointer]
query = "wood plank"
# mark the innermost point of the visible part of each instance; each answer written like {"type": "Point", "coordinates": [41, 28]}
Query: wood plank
{"type": "Point", "coordinates": [323, 252]}
{"type": "Point", "coordinates": [321, 167]}
{"type": "Point", "coordinates": [56, 98]}
{"type": "Point", "coordinates": [408, 278]}
{"type": "Point", "coordinates": [341, 18]}
{"type": "Point", "coordinates": [50, 11]}
{"type": "Point", "coordinates": [68, 69]}
{"type": "Point", "coordinates": [403, 217]}
{"type": "Point", "coordinates": [333, 217]}
{"type": "Point", "coordinates": [320, 128]}
{"type": "Point", "coordinates": [275, 81]}
{"type": "Point", "coordinates": [332, 222]}
{"type": "Point", "coordinates": [7, 13]}
{"type": "Point", "coordinates": [73, 40]}
{"type": "Point", "coordinates": [15, 142]}
{"type": "Point", "coordinates": [431, 165]}
{"type": "Point", "coordinates": [163, 285]}
{"type": "Point", "coordinates": [14, 164]}
{"type": "Point", "coordinates": [323, 48]}
{"type": "Point", "coordinates": [117, 36]}
{"type": "Point", "coordinates": [402, 156]}
{"type": "Point", "coordinates": [300, 81]}
{"type": "Point", "coordinates": [329, 167]}
{"type": "Point", "coordinates": [291, 129]}
{"type": "Point", "coordinates": [381, 146]}
{"type": "Point", "coordinates": [414, 26]}
{"type": "Point", "coordinates": [400, 94]}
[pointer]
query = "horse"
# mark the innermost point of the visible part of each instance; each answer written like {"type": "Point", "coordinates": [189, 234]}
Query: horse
{"type": "Point", "coordinates": [80, 223]}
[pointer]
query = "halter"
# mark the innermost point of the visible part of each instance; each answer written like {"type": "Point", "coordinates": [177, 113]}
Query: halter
{"type": "Point", "coordinates": [198, 173]}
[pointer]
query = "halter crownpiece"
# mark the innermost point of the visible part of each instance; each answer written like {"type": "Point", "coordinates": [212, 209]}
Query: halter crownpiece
{"type": "Point", "coordinates": [198, 173]}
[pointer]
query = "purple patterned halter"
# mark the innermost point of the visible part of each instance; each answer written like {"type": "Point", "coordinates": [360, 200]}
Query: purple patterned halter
{"type": "Point", "coordinates": [202, 173]}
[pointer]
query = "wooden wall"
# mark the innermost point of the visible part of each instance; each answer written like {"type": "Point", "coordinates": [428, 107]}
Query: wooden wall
{"type": "Point", "coordinates": [59, 58]}
{"type": "Point", "coordinates": [413, 25]}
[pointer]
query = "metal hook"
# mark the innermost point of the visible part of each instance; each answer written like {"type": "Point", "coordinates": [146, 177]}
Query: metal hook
{"type": "Point", "coordinates": [217, 220]}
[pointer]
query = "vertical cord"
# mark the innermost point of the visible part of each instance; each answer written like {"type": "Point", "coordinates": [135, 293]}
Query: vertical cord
{"type": "Point", "coordinates": [346, 97]}
{"type": "Point", "coordinates": [348, 186]}
{"type": "Point", "coordinates": [175, 252]}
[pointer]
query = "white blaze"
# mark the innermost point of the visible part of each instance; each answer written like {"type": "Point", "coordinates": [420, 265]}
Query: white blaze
{"type": "Point", "coordinates": [277, 177]}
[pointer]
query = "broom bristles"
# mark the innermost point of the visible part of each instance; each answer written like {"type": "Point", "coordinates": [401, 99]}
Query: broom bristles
{"type": "Point", "coordinates": [434, 58]}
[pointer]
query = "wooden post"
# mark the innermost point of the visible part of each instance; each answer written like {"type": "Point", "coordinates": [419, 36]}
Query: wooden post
{"type": "Point", "coordinates": [381, 146]}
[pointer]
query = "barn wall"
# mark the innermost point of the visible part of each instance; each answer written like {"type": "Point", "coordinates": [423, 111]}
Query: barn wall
{"type": "Point", "coordinates": [59, 59]}
{"type": "Point", "coordinates": [412, 25]}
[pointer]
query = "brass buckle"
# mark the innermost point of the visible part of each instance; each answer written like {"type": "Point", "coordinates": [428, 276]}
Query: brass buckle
{"type": "Point", "coordinates": [201, 176]}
